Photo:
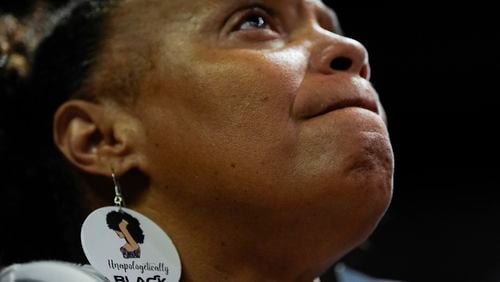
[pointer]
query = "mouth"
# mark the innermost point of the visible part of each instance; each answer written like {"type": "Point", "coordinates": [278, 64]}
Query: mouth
{"type": "Point", "coordinates": [354, 102]}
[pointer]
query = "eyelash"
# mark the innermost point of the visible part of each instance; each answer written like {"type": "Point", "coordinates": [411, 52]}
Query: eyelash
{"type": "Point", "coordinates": [254, 13]}
{"type": "Point", "coordinates": [256, 19]}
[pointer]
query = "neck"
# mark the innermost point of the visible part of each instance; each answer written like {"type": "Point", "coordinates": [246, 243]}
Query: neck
{"type": "Point", "coordinates": [218, 260]}
{"type": "Point", "coordinates": [223, 249]}
{"type": "Point", "coordinates": [230, 257]}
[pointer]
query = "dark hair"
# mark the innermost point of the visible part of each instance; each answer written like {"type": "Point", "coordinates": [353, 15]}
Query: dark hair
{"type": "Point", "coordinates": [113, 219]}
{"type": "Point", "coordinates": [42, 210]}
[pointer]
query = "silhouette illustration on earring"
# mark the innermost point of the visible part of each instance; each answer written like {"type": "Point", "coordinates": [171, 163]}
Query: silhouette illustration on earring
{"type": "Point", "coordinates": [126, 227]}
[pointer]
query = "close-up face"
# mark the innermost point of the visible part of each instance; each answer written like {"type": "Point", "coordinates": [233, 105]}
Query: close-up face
{"type": "Point", "coordinates": [250, 137]}
{"type": "Point", "coordinates": [258, 112]}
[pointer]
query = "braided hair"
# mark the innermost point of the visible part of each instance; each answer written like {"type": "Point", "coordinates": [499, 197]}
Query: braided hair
{"type": "Point", "coordinates": [45, 58]}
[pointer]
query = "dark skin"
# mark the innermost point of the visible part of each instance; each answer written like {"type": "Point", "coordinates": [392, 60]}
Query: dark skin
{"type": "Point", "coordinates": [131, 244]}
{"type": "Point", "coordinates": [265, 163]}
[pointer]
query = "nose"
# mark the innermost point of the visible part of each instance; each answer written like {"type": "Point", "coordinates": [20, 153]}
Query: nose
{"type": "Point", "coordinates": [335, 53]}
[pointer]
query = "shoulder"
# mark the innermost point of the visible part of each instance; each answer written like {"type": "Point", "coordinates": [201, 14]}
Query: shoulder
{"type": "Point", "coordinates": [50, 271]}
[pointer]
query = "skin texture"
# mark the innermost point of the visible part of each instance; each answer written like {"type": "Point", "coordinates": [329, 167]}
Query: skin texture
{"type": "Point", "coordinates": [248, 178]}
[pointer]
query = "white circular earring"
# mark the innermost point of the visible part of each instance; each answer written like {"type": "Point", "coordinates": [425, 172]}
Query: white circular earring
{"type": "Point", "coordinates": [126, 246]}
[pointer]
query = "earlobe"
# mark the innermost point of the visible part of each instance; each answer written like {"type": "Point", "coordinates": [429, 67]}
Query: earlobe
{"type": "Point", "coordinates": [86, 136]}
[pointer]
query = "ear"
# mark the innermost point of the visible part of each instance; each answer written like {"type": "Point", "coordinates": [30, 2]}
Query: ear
{"type": "Point", "coordinates": [96, 137]}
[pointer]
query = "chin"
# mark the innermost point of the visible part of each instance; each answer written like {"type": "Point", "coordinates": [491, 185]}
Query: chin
{"type": "Point", "coordinates": [367, 181]}
{"type": "Point", "coordinates": [370, 169]}
{"type": "Point", "coordinates": [370, 180]}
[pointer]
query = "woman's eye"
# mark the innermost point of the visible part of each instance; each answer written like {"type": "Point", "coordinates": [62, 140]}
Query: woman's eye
{"type": "Point", "coordinates": [255, 18]}
{"type": "Point", "coordinates": [254, 21]}
{"type": "Point", "coordinates": [255, 24]}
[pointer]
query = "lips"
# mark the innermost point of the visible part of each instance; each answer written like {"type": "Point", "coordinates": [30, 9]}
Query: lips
{"type": "Point", "coordinates": [323, 98]}
{"type": "Point", "coordinates": [356, 102]}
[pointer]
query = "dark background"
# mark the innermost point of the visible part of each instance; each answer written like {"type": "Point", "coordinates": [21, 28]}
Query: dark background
{"type": "Point", "coordinates": [436, 67]}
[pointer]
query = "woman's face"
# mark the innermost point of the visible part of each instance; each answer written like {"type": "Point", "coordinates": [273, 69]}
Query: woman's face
{"type": "Point", "coordinates": [119, 234]}
{"type": "Point", "coordinates": [257, 112]}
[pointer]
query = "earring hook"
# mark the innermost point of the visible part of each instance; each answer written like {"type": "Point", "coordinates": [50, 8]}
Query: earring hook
{"type": "Point", "coordinates": [119, 201]}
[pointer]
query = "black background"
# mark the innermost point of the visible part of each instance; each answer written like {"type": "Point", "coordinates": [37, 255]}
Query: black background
{"type": "Point", "coordinates": [436, 66]}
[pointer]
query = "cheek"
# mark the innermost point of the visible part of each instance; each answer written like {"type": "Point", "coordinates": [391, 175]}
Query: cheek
{"type": "Point", "coordinates": [245, 85]}
{"type": "Point", "coordinates": [241, 99]}
{"type": "Point", "coordinates": [232, 106]}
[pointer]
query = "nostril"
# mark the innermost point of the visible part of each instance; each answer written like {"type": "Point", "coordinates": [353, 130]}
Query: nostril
{"type": "Point", "coordinates": [341, 64]}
